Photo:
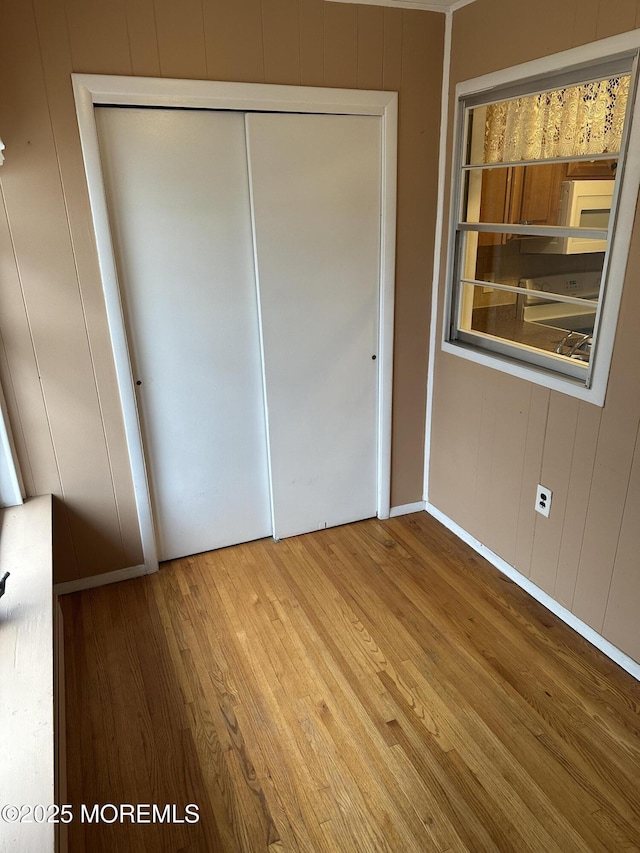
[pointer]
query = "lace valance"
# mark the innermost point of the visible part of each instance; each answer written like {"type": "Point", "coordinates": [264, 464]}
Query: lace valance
{"type": "Point", "coordinates": [572, 122]}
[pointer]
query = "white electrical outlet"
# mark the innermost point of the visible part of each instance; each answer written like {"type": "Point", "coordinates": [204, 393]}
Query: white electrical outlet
{"type": "Point", "coordinates": [543, 500]}
{"type": "Point", "coordinates": [489, 277]}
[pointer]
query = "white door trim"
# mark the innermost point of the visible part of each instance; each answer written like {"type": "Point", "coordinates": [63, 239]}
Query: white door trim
{"type": "Point", "coordinates": [92, 89]}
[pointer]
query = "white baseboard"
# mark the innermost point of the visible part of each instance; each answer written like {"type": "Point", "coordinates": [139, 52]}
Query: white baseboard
{"type": "Point", "coordinates": [99, 580]}
{"type": "Point", "coordinates": [405, 509]}
{"type": "Point", "coordinates": [611, 651]}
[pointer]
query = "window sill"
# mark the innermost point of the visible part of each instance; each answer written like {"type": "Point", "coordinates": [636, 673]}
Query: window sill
{"type": "Point", "coordinates": [26, 671]}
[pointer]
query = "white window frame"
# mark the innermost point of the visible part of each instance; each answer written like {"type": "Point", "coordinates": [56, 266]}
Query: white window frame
{"type": "Point", "coordinates": [11, 485]}
{"type": "Point", "coordinates": [581, 58]}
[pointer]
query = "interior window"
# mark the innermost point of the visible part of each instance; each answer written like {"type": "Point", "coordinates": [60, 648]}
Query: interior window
{"type": "Point", "coordinates": [11, 487]}
{"type": "Point", "coordinates": [537, 182]}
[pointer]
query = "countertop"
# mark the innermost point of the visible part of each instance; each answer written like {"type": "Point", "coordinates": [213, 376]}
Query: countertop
{"type": "Point", "coordinates": [502, 322]}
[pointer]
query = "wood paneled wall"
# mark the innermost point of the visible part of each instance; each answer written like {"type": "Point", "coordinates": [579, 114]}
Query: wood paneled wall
{"type": "Point", "coordinates": [55, 359]}
{"type": "Point", "coordinates": [496, 437]}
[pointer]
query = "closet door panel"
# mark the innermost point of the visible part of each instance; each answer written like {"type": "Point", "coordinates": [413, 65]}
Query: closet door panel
{"type": "Point", "coordinates": [178, 198]}
{"type": "Point", "coordinates": [315, 183]}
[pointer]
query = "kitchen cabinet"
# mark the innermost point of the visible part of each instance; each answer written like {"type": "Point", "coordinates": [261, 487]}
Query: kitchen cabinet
{"type": "Point", "coordinates": [592, 169]}
{"type": "Point", "coordinates": [495, 202]}
{"type": "Point", "coordinates": [531, 194]}
{"type": "Point", "coordinates": [520, 194]}
{"type": "Point", "coordinates": [539, 198]}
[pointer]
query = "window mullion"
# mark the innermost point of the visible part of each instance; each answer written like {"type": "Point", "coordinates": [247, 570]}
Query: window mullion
{"type": "Point", "coordinates": [522, 291]}
{"type": "Point", "coordinates": [583, 158]}
{"type": "Point", "coordinates": [533, 230]}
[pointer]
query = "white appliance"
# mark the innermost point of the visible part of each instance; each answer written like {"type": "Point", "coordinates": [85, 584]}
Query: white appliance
{"type": "Point", "coordinates": [562, 315]}
{"type": "Point", "coordinates": [577, 321]}
{"type": "Point", "coordinates": [583, 204]}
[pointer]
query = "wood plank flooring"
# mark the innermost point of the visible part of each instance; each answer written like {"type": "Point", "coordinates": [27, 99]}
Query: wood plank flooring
{"type": "Point", "coordinates": [373, 687]}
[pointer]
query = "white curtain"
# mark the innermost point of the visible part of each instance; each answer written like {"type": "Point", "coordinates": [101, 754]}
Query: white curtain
{"type": "Point", "coordinates": [579, 120]}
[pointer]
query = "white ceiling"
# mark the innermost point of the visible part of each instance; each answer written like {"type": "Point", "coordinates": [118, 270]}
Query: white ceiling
{"type": "Point", "coordinates": [428, 5]}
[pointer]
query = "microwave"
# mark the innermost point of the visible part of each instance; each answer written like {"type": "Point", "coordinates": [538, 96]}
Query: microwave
{"type": "Point", "coordinates": [583, 204]}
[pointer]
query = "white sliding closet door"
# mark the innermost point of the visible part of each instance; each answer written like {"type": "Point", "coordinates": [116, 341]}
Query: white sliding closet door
{"type": "Point", "coordinates": [315, 184]}
{"type": "Point", "coordinates": [178, 198]}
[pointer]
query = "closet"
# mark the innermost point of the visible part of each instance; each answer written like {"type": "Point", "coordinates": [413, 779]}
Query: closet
{"type": "Point", "coordinates": [247, 249]}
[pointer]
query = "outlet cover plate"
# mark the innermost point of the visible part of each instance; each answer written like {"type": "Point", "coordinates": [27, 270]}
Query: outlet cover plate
{"type": "Point", "coordinates": [543, 500]}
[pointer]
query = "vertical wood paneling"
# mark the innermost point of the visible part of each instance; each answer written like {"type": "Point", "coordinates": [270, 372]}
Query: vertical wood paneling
{"type": "Point", "coordinates": [57, 66]}
{"type": "Point", "coordinates": [484, 21]}
{"type": "Point", "coordinates": [98, 35]}
{"type": "Point", "coordinates": [531, 467]}
{"type": "Point", "coordinates": [614, 456]}
{"type": "Point", "coordinates": [370, 46]}
{"type": "Point", "coordinates": [606, 506]}
{"type": "Point", "coordinates": [482, 27]}
{"type": "Point", "coordinates": [575, 516]}
{"type": "Point", "coordinates": [621, 624]}
{"type": "Point", "coordinates": [311, 42]}
{"type": "Point", "coordinates": [507, 453]}
{"type": "Point", "coordinates": [65, 559]}
{"type": "Point", "coordinates": [554, 38]}
{"type": "Point", "coordinates": [42, 243]}
{"type": "Point", "coordinates": [21, 381]}
{"type": "Point", "coordinates": [281, 29]}
{"type": "Point", "coordinates": [340, 45]}
{"type": "Point", "coordinates": [555, 474]}
{"type": "Point", "coordinates": [457, 406]}
{"type": "Point", "coordinates": [392, 50]}
{"type": "Point", "coordinates": [585, 22]}
{"type": "Point", "coordinates": [233, 35]}
{"type": "Point", "coordinates": [181, 42]}
{"type": "Point", "coordinates": [615, 16]}
{"type": "Point", "coordinates": [143, 41]}
{"type": "Point", "coordinates": [418, 132]}
{"type": "Point", "coordinates": [486, 427]}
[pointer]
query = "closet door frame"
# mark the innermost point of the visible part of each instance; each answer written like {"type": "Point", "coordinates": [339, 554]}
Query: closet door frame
{"type": "Point", "coordinates": [109, 90]}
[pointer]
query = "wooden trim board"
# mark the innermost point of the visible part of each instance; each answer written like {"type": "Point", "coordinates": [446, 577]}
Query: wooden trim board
{"type": "Point", "coordinates": [406, 509]}
{"type": "Point", "coordinates": [100, 580]}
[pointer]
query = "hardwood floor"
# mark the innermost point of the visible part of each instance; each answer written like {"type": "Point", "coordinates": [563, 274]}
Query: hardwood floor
{"type": "Point", "coordinates": [373, 687]}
